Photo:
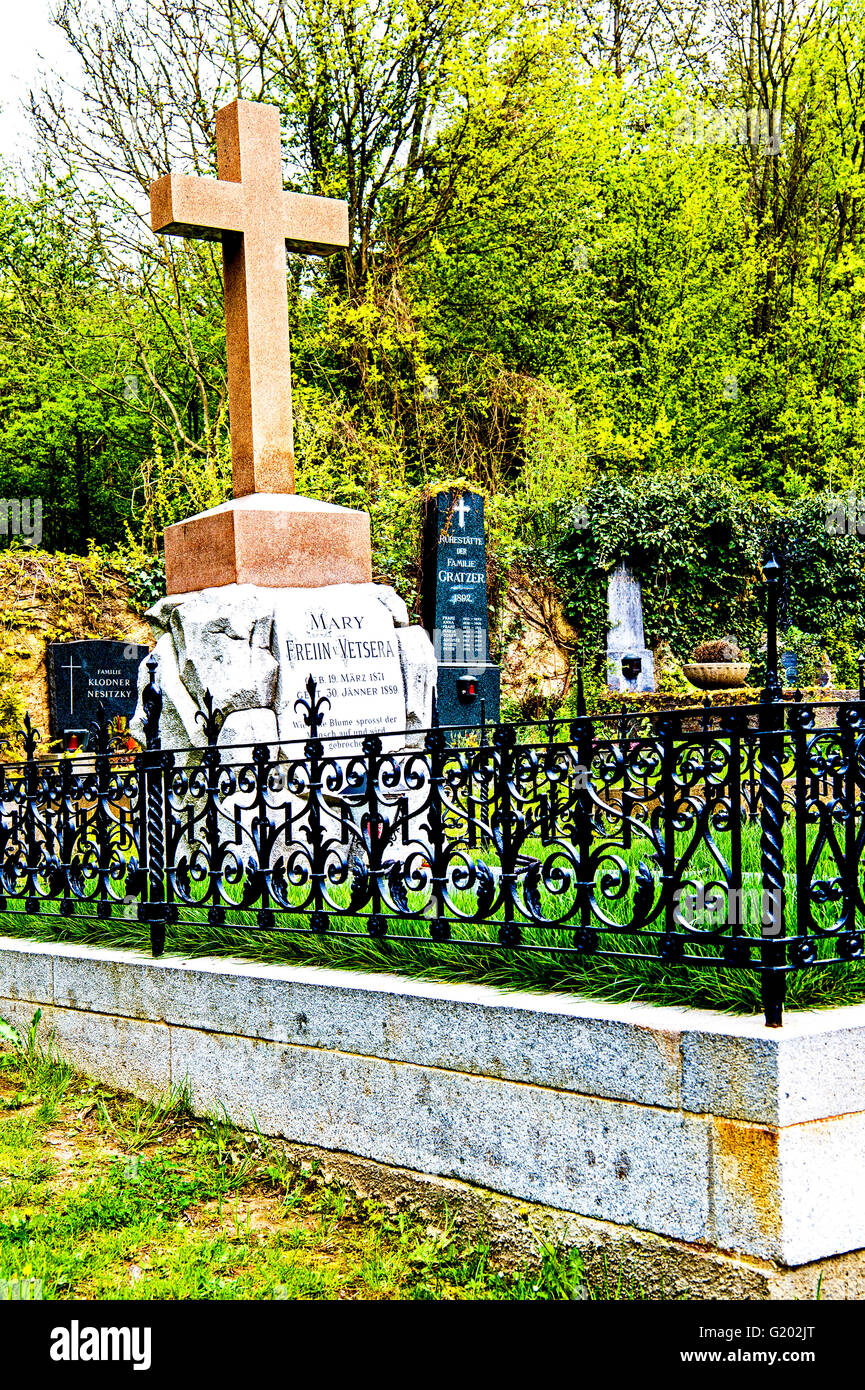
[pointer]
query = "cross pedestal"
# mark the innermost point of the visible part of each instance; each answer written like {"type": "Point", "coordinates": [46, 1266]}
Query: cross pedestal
{"type": "Point", "coordinates": [279, 540]}
{"type": "Point", "coordinates": [266, 535]}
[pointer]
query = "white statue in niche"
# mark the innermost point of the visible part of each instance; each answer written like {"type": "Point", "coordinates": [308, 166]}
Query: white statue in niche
{"type": "Point", "coordinates": [630, 665]}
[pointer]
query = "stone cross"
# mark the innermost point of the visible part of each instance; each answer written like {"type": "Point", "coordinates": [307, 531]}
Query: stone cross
{"type": "Point", "coordinates": [247, 209]}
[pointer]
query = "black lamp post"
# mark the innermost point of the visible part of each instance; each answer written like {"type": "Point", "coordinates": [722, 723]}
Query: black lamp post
{"type": "Point", "coordinates": [772, 575]}
{"type": "Point", "coordinates": [772, 865]}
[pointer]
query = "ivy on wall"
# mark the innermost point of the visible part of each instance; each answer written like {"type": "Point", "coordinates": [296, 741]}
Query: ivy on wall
{"type": "Point", "coordinates": [697, 542]}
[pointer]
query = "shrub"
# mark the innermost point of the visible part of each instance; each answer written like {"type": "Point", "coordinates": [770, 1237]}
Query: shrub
{"type": "Point", "coordinates": [723, 649]}
{"type": "Point", "coordinates": [696, 542]}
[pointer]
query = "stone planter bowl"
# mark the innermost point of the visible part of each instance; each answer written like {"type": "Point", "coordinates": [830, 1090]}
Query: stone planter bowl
{"type": "Point", "coordinates": [717, 675]}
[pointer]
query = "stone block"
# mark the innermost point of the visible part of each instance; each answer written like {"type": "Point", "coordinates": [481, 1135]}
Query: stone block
{"type": "Point", "coordinates": [128, 984]}
{"type": "Point", "coordinates": [793, 1194]}
{"type": "Point", "coordinates": [746, 1188]}
{"type": "Point", "coordinates": [224, 648]}
{"type": "Point", "coordinates": [419, 673]}
{"type": "Point", "coordinates": [547, 1040]}
{"type": "Point", "coordinates": [254, 648]}
{"type": "Point", "coordinates": [273, 539]}
{"type": "Point", "coordinates": [823, 1195]}
{"type": "Point", "coordinates": [179, 726]}
{"type": "Point", "coordinates": [631, 1163]}
{"type": "Point", "coordinates": [128, 1054]}
{"type": "Point", "coordinates": [727, 1074]}
{"type": "Point", "coordinates": [812, 1068]}
{"type": "Point", "coordinates": [247, 727]}
{"type": "Point", "coordinates": [19, 1012]}
{"type": "Point", "coordinates": [26, 970]}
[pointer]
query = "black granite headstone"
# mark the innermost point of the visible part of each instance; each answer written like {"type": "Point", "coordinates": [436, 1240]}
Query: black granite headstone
{"type": "Point", "coordinates": [83, 675]}
{"type": "Point", "coordinates": [454, 601]}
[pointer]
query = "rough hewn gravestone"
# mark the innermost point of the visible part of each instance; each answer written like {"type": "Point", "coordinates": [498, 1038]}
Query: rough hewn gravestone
{"type": "Point", "coordinates": [254, 649]}
{"type": "Point", "coordinates": [84, 675]}
{"type": "Point", "coordinates": [454, 597]}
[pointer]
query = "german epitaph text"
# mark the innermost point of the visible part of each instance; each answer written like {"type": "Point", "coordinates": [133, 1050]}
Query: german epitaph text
{"type": "Point", "coordinates": [455, 606]}
{"type": "Point", "coordinates": [84, 675]}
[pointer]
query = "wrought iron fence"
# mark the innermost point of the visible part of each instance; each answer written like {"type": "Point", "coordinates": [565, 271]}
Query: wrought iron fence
{"type": "Point", "coordinates": [722, 839]}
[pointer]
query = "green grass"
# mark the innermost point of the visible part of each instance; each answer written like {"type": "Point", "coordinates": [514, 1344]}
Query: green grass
{"type": "Point", "coordinates": [612, 976]}
{"type": "Point", "coordinates": [104, 1196]}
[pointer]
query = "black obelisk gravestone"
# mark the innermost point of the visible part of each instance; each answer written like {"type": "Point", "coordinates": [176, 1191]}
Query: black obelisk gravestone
{"type": "Point", "coordinates": [84, 675]}
{"type": "Point", "coordinates": [454, 603]}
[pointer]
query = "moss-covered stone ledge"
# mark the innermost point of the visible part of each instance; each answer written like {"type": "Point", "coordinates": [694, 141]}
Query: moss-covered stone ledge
{"type": "Point", "coordinates": [614, 702]}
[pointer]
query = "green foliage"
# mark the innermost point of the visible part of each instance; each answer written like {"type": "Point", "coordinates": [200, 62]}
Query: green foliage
{"type": "Point", "coordinates": [143, 570]}
{"type": "Point", "coordinates": [805, 648]}
{"type": "Point", "coordinates": [67, 434]}
{"type": "Point", "coordinates": [696, 541]}
{"type": "Point", "coordinates": [12, 704]}
{"type": "Point", "coordinates": [144, 1201]}
{"type": "Point", "coordinates": [147, 582]}
{"type": "Point", "coordinates": [691, 538]}
{"type": "Point", "coordinates": [665, 330]}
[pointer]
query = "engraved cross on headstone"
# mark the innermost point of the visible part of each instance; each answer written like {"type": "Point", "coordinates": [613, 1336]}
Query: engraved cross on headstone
{"type": "Point", "coordinates": [247, 209]}
{"type": "Point", "coordinates": [70, 667]}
